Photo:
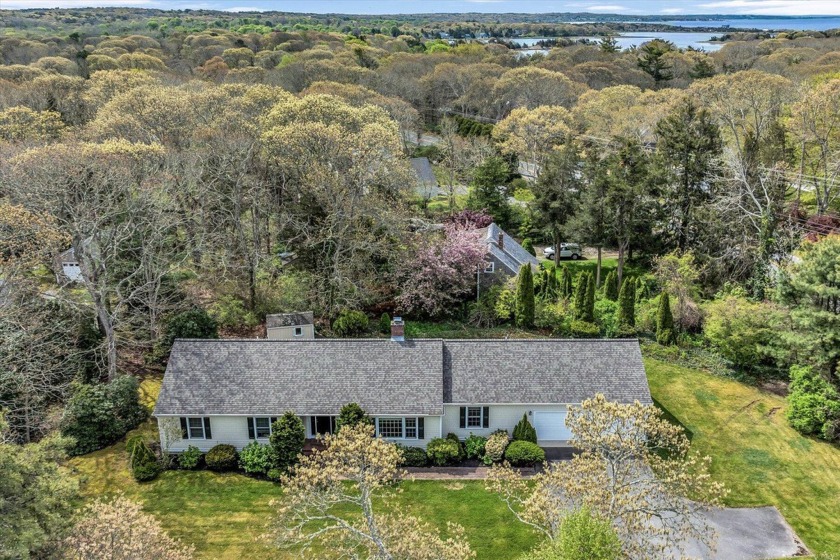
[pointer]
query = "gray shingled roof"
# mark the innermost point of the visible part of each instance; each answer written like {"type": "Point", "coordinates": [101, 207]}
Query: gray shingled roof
{"type": "Point", "coordinates": [231, 377]}
{"type": "Point", "coordinates": [290, 319]}
{"type": "Point", "coordinates": [513, 255]}
{"type": "Point", "coordinates": [239, 377]}
{"type": "Point", "coordinates": [543, 371]}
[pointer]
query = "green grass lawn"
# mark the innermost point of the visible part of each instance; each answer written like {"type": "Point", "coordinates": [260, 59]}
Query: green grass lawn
{"type": "Point", "coordinates": [759, 457]}
{"type": "Point", "coordinates": [590, 265]}
{"type": "Point", "coordinates": [756, 454]}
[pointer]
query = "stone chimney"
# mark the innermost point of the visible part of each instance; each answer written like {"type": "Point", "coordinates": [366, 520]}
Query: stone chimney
{"type": "Point", "coordinates": [397, 330]}
{"type": "Point", "coordinates": [501, 241]}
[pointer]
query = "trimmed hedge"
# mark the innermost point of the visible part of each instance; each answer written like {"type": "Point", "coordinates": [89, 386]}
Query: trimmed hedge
{"type": "Point", "coordinates": [474, 446]}
{"type": "Point", "coordinates": [256, 458]}
{"type": "Point", "coordinates": [413, 456]}
{"type": "Point", "coordinates": [524, 454]}
{"type": "Point", "coordinates": [494, 449]}
{"type": "Point", "coordinates": [584, 329]}
{"type": "Point", "coordinates": [191, 458]}
{"type": "Point", "coordinates": [142, 460]}
{"type": "Point", "coordinates": [222, 457]}
{"type": "Point", "coordinates": [443, 452]}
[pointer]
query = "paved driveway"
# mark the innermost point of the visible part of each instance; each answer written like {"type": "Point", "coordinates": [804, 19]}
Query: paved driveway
{"type": "Point", "coordinates": [750, 534]}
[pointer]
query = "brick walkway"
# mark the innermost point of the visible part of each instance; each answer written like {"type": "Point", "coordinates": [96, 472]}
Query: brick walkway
{"type": "Point", "coordinates": [456, 473]}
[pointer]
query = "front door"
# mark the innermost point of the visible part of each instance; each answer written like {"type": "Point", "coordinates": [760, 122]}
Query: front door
{"type": "Point", "coordinates": [321, 425]}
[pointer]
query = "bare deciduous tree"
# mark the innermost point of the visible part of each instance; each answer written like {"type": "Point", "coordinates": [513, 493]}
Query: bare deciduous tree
{"type": "Point", "coordinates": [635, 469]}
{"type": "Point", "coordinates": [328, 508]}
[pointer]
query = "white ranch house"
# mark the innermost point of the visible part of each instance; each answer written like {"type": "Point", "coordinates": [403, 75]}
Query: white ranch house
{"type": "Point", "coordinates": [230, 391]}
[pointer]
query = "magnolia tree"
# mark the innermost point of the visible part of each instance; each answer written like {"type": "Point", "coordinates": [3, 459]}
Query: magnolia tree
{"type": "Point", "coordinates": [442, 271]}
{"type": "Point", "coordinates": [634, 469]}
{"type": "Point", "coordinates": [119, 530]}
{"type": "Point", "coordinates": [328, 505]}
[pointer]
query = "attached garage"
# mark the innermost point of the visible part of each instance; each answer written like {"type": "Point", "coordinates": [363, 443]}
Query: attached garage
{"type": "Point", "coordinates": [551, 426]}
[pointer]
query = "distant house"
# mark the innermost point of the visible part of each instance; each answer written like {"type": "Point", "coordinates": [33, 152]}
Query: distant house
{"type": "Point", "coordinates": [427, 185]}
{"type": "Point", "coordinates": [229, 391]}
{"type": "Point", "coordinates": [67, 267]}
{"type": "Point", "coordinates": [505, 255]}
{"type": "Point", "coordinates": [290, 326]}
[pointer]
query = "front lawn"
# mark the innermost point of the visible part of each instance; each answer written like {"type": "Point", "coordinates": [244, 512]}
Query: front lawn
{"type": "Point", "coordinates": [759, 457]}
{"type": "Point", "coordinates": [226, 515]}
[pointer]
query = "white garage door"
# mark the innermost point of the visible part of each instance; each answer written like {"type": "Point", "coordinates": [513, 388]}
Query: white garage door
{"type": "Point", "coordinates": [551, 426]}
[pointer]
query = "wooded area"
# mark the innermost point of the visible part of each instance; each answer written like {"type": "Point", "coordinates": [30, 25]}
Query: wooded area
{"type": "Point", "coordinates": [233, 167]}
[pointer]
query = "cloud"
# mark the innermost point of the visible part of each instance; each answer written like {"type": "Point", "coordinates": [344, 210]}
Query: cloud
{"type": "Point", "coordinates": [607, 8]}
{"type": "Point", "coordinates": [777, 7]}
{"type": "Point", "coordinates": [43, 4]}
{"type": "Point", "coordinates": [244, 9]}
{"type": "Point", "coordinates": [671, 10]}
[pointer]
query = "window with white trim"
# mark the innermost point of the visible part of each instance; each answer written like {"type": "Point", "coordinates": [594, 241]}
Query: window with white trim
{"type": "Point", "coordinates": [411, 428]}
{"type": "Point", "coordinates": [298, 331]}
{"type": "Point", "coordinates": [489, 267]}
{"type": "Point", "coordinates": [262, 427]}
{"type": "Point", "coordinates": [390, 427]}
{"type": "Point", "coordinates": [400, 428]}
{"type": "Point", "coordinates": [196, 428]}
{"type": "Point", "coordinates": [474, 417]}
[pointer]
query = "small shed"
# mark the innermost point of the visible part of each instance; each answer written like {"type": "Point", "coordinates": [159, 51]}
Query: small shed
{"type": "Point", "coordinates": [290, 326]}
{"type": "Point", "coordinates": [67, 267]}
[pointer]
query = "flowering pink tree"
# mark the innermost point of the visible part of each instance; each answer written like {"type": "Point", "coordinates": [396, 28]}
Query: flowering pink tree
{"type": "Point", "coordinates": [442, 271]}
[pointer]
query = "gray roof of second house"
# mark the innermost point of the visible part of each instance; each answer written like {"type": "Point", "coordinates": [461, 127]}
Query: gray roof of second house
{"type": "Point", "coordinates": [512, 255]}
{"type": "Point", "coordinates": [414, 377]}
{"type": "Point", "coordinates": [238, 377]}
{"type": "Point", "coordinates": [290, 319]}
{"type": "Point", "coordinates": [543, 371]}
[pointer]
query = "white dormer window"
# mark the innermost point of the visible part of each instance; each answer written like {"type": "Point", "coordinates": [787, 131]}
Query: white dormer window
{"type": "Point", "coordinates": [298, 331]}
{"type": "Point", "coordinates": [489, 267]}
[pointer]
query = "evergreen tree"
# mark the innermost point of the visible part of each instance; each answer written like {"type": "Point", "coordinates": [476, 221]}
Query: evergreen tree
{"type": "Point", "coordinates": [524, 311]}
{"type": "Point", "coordinates": [488, 191]}
{"type": "Point", "coordinates": [688, 148]}
{"type": "Point", "coordinates": [580, 294]}
{"type": "Point", "coordinates": [385, 323]}
{"type": "Point", "coordinates": [665, 321]}
{"type": "Point", "coordinates": [524, 431]}
{"type": "Point", "coordinates": [611, 286]}
{"type": "Point", "coordinates": [627, 303]}
{"type": "Point", "coordinates": [528, 245]}
{"type": "Point", "coordinates": [351, 414]}
{"type": "Point", "coordinates": [651, 60]}
{"type": "Point", "coordinates": [703, 68]}
{"type": "Point", "coordinates": [589, 304]}
{"type": "Point", "coordinates": [641, 290]}
{"type": "Point", "coordinates": [566, 283]}
{"type": "Point", "coordinates": [287, 438]}
{"type": "Point", "coordinates": [609, 44]}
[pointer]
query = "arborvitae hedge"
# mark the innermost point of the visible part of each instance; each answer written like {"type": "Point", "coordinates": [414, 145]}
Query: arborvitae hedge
{"type": "Point", "coordinates": [524, 310]}
{"type": "Point", "coordinates": [565, 283]}
{"type": "Point", "coordinates": [627, 303]}
{"type": "Point", "coordinates": [580, 294]}
{"type": "Point", "coordinates": [524, 431]}
{"type": "Point", "coordinates": [665, 321]}
{"type": "Point", "coordinates": [611, 286]}
{"type": "Point", "coordinates": [589, 302]}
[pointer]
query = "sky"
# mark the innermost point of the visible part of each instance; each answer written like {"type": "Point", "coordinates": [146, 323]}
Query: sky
{"type": "Point", "coordinates": [629, 7]}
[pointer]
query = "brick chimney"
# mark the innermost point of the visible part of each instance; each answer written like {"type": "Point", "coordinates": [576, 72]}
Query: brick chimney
{"type": "Point", "coordinates": [501, 241]}
{"type": "Point", "coordinates": [397, 330]}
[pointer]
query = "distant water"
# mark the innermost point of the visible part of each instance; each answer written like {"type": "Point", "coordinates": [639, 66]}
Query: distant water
{"type": "Point", "coordinates": [814, 23]}
{"type": "Point", "coordinates": [627, 40]}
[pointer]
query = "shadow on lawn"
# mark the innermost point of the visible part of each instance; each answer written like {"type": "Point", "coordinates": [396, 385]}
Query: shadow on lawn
{"type": "Point", "coordinates": [673, 419]}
